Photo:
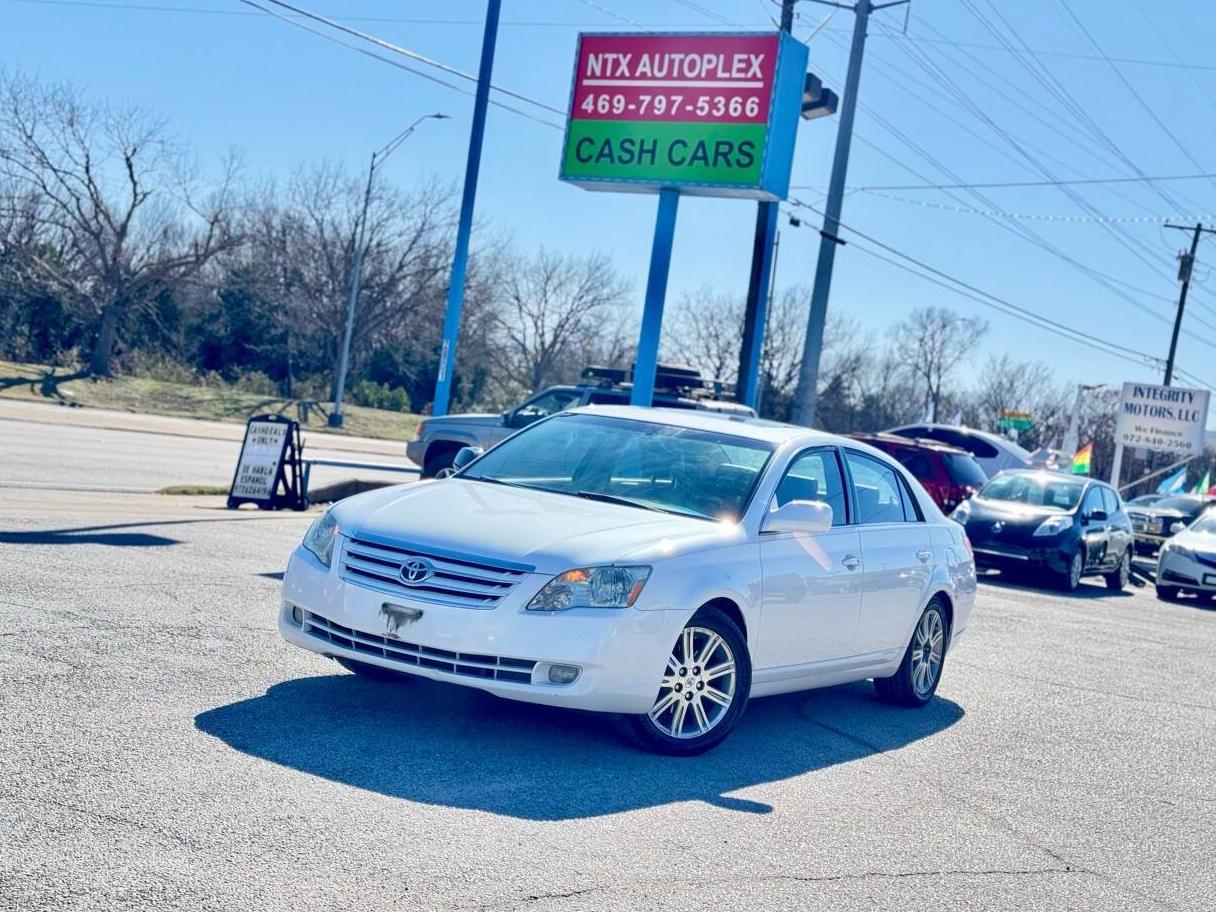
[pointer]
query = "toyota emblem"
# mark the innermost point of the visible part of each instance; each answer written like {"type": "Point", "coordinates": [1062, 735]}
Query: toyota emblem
{"type": "Point", "coordinates": [416, 570]}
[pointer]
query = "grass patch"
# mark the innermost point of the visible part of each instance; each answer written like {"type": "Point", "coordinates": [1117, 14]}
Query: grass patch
{"type": "Point", "coordinates": [41, 383]}
{"type": "Point", "coordinates": [194, 490]}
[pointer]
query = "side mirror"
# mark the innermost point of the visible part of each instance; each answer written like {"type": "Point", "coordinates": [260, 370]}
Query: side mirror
{"type": "Point", "coordinates": [464, 456]}
{"type": "Point", "coordinates": [1177, 527]}
{"type": "Point", "coordinates": [1098, 516]}
{"type": "Point", "coordinates": [809, 516]}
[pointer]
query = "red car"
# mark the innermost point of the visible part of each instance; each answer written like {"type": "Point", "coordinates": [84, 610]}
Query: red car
{"type": "Point", "coordinates": [949, 474]}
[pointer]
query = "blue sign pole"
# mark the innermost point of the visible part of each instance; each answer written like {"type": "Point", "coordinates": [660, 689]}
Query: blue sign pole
{"type": "Point", "coordinates": [656, 291]}
{"type": "Point", "coordinates": [460, 257]}
{"type": "Point", "coordinates": [748, 387]}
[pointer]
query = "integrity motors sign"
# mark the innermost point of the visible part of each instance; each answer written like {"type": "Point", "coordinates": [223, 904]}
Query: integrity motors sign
{"type": "Point", "coordinates": [706, 114]}
{"type": "Point", "coordinates": [1162, 418]}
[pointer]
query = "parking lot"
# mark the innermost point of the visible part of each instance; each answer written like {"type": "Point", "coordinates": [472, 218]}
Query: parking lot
{"type": "Point", "coordinates": [164, 749]}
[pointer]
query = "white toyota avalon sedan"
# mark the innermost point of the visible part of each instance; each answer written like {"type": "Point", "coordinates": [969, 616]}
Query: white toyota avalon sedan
{"type": "Point", "coordinates": [659, 564]}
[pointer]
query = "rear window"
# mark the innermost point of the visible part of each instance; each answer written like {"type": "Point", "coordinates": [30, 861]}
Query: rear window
{"type": "Point", "coordinates": [964, 470]}
{"type": "Point", "coordinates": [915, 462]}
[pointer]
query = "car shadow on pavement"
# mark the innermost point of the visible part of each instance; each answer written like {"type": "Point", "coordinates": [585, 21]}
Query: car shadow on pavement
{"type": "Point", "coordinates": [1089, 589]}
{"type": "Point", "coordinates": [453, 746]}
{"type": "Point", "coordinates": [87, 537]}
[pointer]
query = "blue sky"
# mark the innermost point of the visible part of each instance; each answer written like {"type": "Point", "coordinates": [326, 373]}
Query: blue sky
{"type": "Point", "coordinates": [943, 104]}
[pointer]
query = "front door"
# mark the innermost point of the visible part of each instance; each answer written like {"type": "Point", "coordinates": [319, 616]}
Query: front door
{"type": "Point", "coordinates": [812, 583]}
{"type": "Point", "coordinates": [1095, 529]}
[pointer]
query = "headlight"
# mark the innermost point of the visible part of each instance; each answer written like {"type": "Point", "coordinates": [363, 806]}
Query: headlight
{"type": "Point", "coordinates": [591, 587]}
{"type": "Point", "coordinates": [962, 513]}
{"type": "Point", "coordinates": [321, 537]}
{"type": "Point", "coordinates": [1180, 550]}
{"type": "Point", "coordinates": [1054, 525]}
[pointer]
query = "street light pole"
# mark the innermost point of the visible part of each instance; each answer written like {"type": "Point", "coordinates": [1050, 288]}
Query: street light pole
{"type": "Point", "coordinates": [356, 271]}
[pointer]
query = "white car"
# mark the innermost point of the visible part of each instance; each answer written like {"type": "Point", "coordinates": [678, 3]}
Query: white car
{"type": "Point", "coordinates": [1187, 562]}
{"type": "Point", "coordinates": [664, 565]}
{"type": "Point", "coordinates": [993, 452]}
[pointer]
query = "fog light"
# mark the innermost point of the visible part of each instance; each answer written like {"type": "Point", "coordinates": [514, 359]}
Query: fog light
{"type": "Point", "coordinates": [297, 616]}
{"type": "Point", "coordinates": [563, 674]}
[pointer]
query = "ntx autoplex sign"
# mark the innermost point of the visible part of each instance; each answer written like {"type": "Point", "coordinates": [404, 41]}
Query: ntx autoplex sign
{"type": "Point", "coordinates": [705, 114]}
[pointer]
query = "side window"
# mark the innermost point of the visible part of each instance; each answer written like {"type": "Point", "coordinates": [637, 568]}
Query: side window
{"type": "Point", "coordinates": [545, 405]}
{"type": "Point", "coordinates": [607, 397]}
{"type": "Point", "coordinates": [877, 491]}
{"type": "Point", "coordinates": [1093, 501]}
{"type": "Point", "coordinates": [1111, 499]}
{"type": "Point", "coordinates": [815, 475]}
{"type": "Point", "coordinates": [915, 462]}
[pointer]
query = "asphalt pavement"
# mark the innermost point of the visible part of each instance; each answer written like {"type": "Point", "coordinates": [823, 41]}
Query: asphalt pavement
{"type": "Point", "coordinates": [163, 749]}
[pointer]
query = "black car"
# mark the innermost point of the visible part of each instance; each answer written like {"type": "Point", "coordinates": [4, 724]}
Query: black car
{"type": "Point", "coordinates": [1154, 524]}
{"type": "Point", "coordinates": [1047, 523]}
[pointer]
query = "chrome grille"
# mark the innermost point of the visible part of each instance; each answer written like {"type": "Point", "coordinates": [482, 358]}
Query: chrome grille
{"type": "Point", "coordinates": [463, 581]}
{"type": "Point", "coordinates": [468, 664]}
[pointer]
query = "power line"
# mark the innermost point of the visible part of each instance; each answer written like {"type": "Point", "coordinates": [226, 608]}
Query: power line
{"type": "Point", "coordinates": [405, 52]}
{"type": "Point", "coordinates": [999, 303]}
{"type": "Point", "coordinates": [1000, 185]}
{"type": "Point", "coordinates": [393, 63]}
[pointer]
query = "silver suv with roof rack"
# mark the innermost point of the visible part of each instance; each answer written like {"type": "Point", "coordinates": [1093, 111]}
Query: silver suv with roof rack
{"type": "Point", "coordinates": [440, 439]}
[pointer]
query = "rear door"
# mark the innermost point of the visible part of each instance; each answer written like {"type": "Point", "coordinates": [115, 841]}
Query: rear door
{"type": "Point", "coordinates": [896, 552]}
{"type": "Point", "coordinates": [812, 583]}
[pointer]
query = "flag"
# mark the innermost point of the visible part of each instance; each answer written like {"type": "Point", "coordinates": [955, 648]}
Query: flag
{"type": "Point", "coordinates": [1175, 484]}
{"type": "Point", "coordinates": [1082, 459]}
{"type": "Point", "coordinates": [1205, 485]}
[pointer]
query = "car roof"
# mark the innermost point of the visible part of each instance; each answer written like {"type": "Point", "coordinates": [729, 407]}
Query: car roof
{"type": "Point", "coordinates": [923, 443]}
{"type": "Point", "coordinates": [736, 425]}
{"type": "Point", "coordinates": [996, 440]}
{"type": "Point", "coordinates": [1051, 473]}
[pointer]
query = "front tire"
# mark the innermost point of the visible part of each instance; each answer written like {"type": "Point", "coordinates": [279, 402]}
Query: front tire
{"type": "Point", "coordinates": [1117, 579]}
{"type": "Point", "coordinates": [1070, 579]}
{"type": "Point", "coordinates": [1167, 593]}
{"type": "Point", "coordinates": [915, 683]}
{"type": "Point", "coordinates": [704, 688]}
{"type": "Point", "coordinates": [439, 462]}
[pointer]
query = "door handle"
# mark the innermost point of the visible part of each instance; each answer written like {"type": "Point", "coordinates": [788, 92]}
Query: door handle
{"type": "Point", "coordinates": [851, 561]}
{"type": "Point", "coordinates": [923, 555]}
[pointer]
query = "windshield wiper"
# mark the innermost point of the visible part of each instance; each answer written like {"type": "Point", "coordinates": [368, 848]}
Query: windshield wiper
{"type": "Point", "coordinates": [642, 505]}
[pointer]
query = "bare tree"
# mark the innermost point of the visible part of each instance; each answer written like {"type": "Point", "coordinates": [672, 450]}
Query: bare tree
{"type": "Point", "coordinates": [116, 199]}
{"type": "Point", "coordinates": [931, 343]}
{"type": "Point", "coordinates": [553, 311]}
{"type": "Point", "coordinates": [703, 332]}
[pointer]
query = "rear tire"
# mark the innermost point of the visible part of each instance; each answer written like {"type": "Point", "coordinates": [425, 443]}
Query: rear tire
{"type": "Point", "coordinates": [915, 683]}
{"type": "Point", "coordinates": [1117, 579]}
{"type": "Point", "coordinates": [704, 689]}
{"type": "Point", "coordinates": [373, 672]}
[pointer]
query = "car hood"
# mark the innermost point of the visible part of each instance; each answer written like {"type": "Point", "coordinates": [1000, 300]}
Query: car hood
{"type": "Point", "coordinates": [1155, 513]}
{"type": "Point", "coordinates": [480, 418]}
{"type": "Point", "coordinates": [551, 532]}
{"type": "Point", "coordinates": [1012, 514]}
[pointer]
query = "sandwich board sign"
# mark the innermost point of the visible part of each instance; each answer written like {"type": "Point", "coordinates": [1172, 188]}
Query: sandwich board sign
{"type": "Point", "coordinates": [267, 472]}
{"type": "Point", "coordinates": [712, 114]}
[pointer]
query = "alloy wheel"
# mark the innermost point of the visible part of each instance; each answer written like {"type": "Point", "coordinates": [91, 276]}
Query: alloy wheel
{"type": "Point", "coordinates": [698, 686]}
{"type": "Point", "coordinates": [445, 472]}
{"type": "Point", "coordinates": [928, 645]}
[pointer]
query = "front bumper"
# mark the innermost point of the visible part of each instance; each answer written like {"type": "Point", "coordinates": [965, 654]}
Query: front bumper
{"type": "Point", "coordinates": [504, 650]}
{"type": "Point", "coordinates": [1015, 557]}
{"type": "Point", "coordinates": [1192, 574]}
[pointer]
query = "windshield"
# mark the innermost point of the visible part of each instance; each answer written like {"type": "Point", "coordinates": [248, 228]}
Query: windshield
{"type": "Point", "coordinates": [636, 463]}
{"type": "Point", "coordinates": [1205, 524]}
{"type": "Point", "coordinates": [1183, 504]}
{"type": "Point", "coordinates": [1047, 491]}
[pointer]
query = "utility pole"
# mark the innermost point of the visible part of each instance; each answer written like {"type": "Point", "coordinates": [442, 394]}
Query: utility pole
{"type": "Point", "coordinates": [464, 227]}
{"type": "Point", "coordinates": [1186, 266]}
{"type": "Point", "coordinates": [1072, 439]}
{"type": "Point", "coordinates": [754, 313]}
{"type": "Point", "coordinates": [829, 235]}
{"type": "Point", "coordinates": [356, 272]}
